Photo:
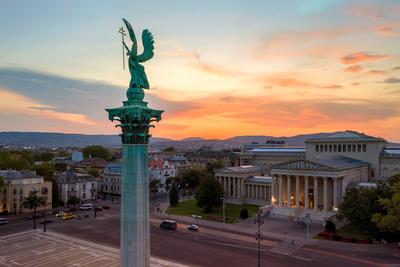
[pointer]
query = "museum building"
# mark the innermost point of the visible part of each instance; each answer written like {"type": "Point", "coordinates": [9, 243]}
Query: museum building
{"type": "Point", "coordinates": [311, 180]}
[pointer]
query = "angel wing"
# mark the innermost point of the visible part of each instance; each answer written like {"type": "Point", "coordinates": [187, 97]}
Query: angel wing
{"type": "Point", "coordinates": [148, 47]}
{"type": "Point", "coordinates": [132, 36]}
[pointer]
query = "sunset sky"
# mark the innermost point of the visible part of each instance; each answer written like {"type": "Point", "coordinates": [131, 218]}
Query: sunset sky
{"type": "Point", "coordinates": [221, 68]}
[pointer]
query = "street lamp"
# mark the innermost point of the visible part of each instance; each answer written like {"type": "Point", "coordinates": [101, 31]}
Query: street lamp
{"type": "Point", "coordinates": [259, 221]}
{"type": "Point", "coordinates": [223, 209]}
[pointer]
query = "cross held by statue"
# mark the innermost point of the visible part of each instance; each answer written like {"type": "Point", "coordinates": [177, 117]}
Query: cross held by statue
{"type": "Point", "coordinates": [122, 32]}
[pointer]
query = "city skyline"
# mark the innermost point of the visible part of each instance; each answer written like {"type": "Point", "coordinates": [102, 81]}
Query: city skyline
{"type": "Point", "coordinates": [229, 70]}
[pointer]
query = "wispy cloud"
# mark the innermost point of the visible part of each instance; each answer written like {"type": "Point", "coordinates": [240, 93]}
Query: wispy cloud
{"type": "Point", "coordinates": [354, 69]}
{"type": "Point", "coordinates": [358, 57]}
{"type": "Point", "coordinates": [391, 80]}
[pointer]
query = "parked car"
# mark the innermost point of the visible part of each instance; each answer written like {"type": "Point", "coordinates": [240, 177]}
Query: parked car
{"type": "Point", "coordinates": [106, 207]}
{"type": "Point", "coordinates": [86, 206]}
{"type": "Point", "coordinates": [193, 227]}
{"type": "Point", "coordinates": [68, 216]}
{"type": "Point", "coordinates": [98, 208]}
{"type": "Point", "coordinates": [46, 220]}
{"type": "Point", "coordinates": [168, 224]}
{"type": "Point", "coordinates": [55, 211]}
{"type": "Point", "coordinates": [3, 220]}
{"type": "Point", "coordinates": [60, 214]}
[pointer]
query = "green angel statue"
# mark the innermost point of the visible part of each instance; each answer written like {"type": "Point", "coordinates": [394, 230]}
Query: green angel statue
{"type": "Point", "coordinates": [138, 75]}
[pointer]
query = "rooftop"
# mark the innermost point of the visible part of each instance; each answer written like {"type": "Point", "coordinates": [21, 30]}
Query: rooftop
{"type": "Point", "coordinates": [347, 135]}
{"type": "Point", "coordinates": [241, 169]}
{"type": "Point", "coordinates": [10, 174]}
{"type": "Point", "coordinates": [333, 163]}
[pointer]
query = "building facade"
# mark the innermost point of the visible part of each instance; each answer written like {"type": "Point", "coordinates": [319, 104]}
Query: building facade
{"type": "Point", "coordinates": [80, 185]}
{"type": "Point", "coordinates": [245, 184]}
{"type": "Point", "coordinates": [112, 176]}
{"type": "Point", "coordinates": [20, 185]}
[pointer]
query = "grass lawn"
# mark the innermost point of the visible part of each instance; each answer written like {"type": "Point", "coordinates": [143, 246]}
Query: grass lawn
{"type": "Point", "coordinates": [351, 231]}
{"type": "Point", "coordinates": [232, 211]}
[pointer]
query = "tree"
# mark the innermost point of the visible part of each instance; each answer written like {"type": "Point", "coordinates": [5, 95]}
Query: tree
{"type": "Point", "coordinates": [154, 185]}
{"type": "Point", "coordinates": [169, 149]}
{"type": "Point", "coordinates": [96, 151]}
{"type": "Point", "coordinates": [214, 165]}
{"type": "Point", "coordinates": [330, 226]}
{"type": "Point", "coordinates": [60, 166]}
{"type": "Point", "coordinates": [244, 214]}
{"type": "Point", "coordinates": [191, 178]}
{"type": "Point", "coordinates": [358, 206]}
{"type": "Point", "coordinates": [388, 220]}
{"type": "Point", "coordinates": [33, 202]}
{"type": "Point", "coordinates": [46, 170]}
{"type": "Point", "coordinates": [174, 195]}
{"type": "Point", "coordinates": [94, 172]}
{"type": "Point", "coordinates": [43, 156]}
{"type": "Point", "coordinates": [209, 193]}
{"type": "Point", "coordinates": [73, 200]}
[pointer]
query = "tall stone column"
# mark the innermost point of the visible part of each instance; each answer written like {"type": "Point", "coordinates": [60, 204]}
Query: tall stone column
{"type": "Point", "coordinates": [306, 192]}
{"type": "Point", "coordinates": [229, 187]}
{"type": "Point", "coordinates": [325, 194]}
{"type": "Point", "coordinates": [335, 193]}
{"type": "Point", "coordinates": [135, 119]}
{"type": "Point", "coordinates": [297, 191]}
{"type": "Point", "coordinates": [288, 190]}
{"type": "Point", "coordinates": [315, 193]}
{"type": "Point", "coordinates": [280, 185]}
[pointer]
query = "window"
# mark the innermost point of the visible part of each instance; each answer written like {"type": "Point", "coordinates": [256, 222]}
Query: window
{"type": "Point", "coordinates": [4, 191]}
{"type": "Point", "coordinates": [330, 148]}
{"type": "Point", "coordinates": [15, 191]}
{"type": "Point", "coordinates": [354, 148]}
{"type": "Point", "coordinates": [349, 148]}
{"type": "Point", "coordinates": [334, 148]}
{"type": "Point", "coordinates": [364, 147]}
{"type": "Point", "coordinates": [358, 148]}
{"type": "Point", "coordinates": [339, 148]}
{"type": "Point", "coordinates": [317, 148]}
{"type": "Point", "coordinates": [83, 186]}
{"type": "Point", "coordinates": [326, 148]}
{"type": "Point", "coordinates": [344, 148]}
{"type": "Point", "coordinates": [21, 191]}
{"type": "Point", "coordinates": [372, 173]}
{"type": "Point", "coordinates": [84, 195]}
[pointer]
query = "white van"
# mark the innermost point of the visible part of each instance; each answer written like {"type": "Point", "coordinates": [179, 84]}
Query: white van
{"type": "Point", "coordinates": [87, 206]}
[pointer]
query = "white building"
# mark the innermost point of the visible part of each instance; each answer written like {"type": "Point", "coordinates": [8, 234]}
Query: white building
{"type": "Point", "coordinates": [161, 170]}
{"type": "Point", "coordinates": [82, 186]}
{"type": "Point", "coordinates": [112, 176]}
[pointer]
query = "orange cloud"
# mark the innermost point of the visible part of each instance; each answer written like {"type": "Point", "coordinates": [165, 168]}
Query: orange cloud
{"type": "Point", "coordinates": [377, 72]}
{"type": "Point", "coordinates": [358, 57]}
{"type": "Point", "coordinates": [13, 103]}
{"type": "Point", "coordinates": [297, 83]}
{"type": "Point", "coordinates": [387, 31]}
{"type": "Point", "coordinates": [353, 69]}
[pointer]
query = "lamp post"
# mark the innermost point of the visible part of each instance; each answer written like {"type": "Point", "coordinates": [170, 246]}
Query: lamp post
{"type": "Point", "coordinates": [223, 209]}
{"type": "Point", "coordinates": [259, 221]}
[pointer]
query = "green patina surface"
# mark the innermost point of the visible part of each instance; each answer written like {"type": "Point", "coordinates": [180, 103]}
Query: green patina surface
{"type": "Point", "coordinates": [135, 117]}
{"type": "Point", "coordinates": [232, 211]}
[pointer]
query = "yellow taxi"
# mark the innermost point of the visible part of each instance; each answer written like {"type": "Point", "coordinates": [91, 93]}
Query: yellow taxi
{"type": "Point", "coordinates": [67, 216]}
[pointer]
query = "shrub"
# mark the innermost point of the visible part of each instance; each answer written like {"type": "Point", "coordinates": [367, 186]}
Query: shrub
{"type": "Point", "coordinates": [244, 214]}
{"type": "Point", "coordinates": [330, 226]}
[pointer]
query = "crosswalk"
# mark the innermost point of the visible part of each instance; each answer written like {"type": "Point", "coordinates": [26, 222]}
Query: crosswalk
{"type": "Point", "coordinates": [286, 247]}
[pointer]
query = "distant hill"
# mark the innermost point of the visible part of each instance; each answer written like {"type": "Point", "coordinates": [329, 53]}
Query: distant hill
{"type": "Point", "coordinates": [41, 139]}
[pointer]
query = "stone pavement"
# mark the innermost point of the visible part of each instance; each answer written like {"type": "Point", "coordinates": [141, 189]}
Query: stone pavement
{"type": "Point", "coordinates": [38, 249]}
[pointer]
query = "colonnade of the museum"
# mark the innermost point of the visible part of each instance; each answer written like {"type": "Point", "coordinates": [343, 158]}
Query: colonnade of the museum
{"type": "Point", "coordinates": [318, 193]}
{"type": "Point", "coordinates": [235, 187]}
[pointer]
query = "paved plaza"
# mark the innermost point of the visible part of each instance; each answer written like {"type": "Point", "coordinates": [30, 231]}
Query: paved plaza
{"type": "Point", "coordinates": [38, 249]}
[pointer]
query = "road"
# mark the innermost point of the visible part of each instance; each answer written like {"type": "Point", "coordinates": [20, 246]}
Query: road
{"type": "Point", "coordinates": [208, 247]}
